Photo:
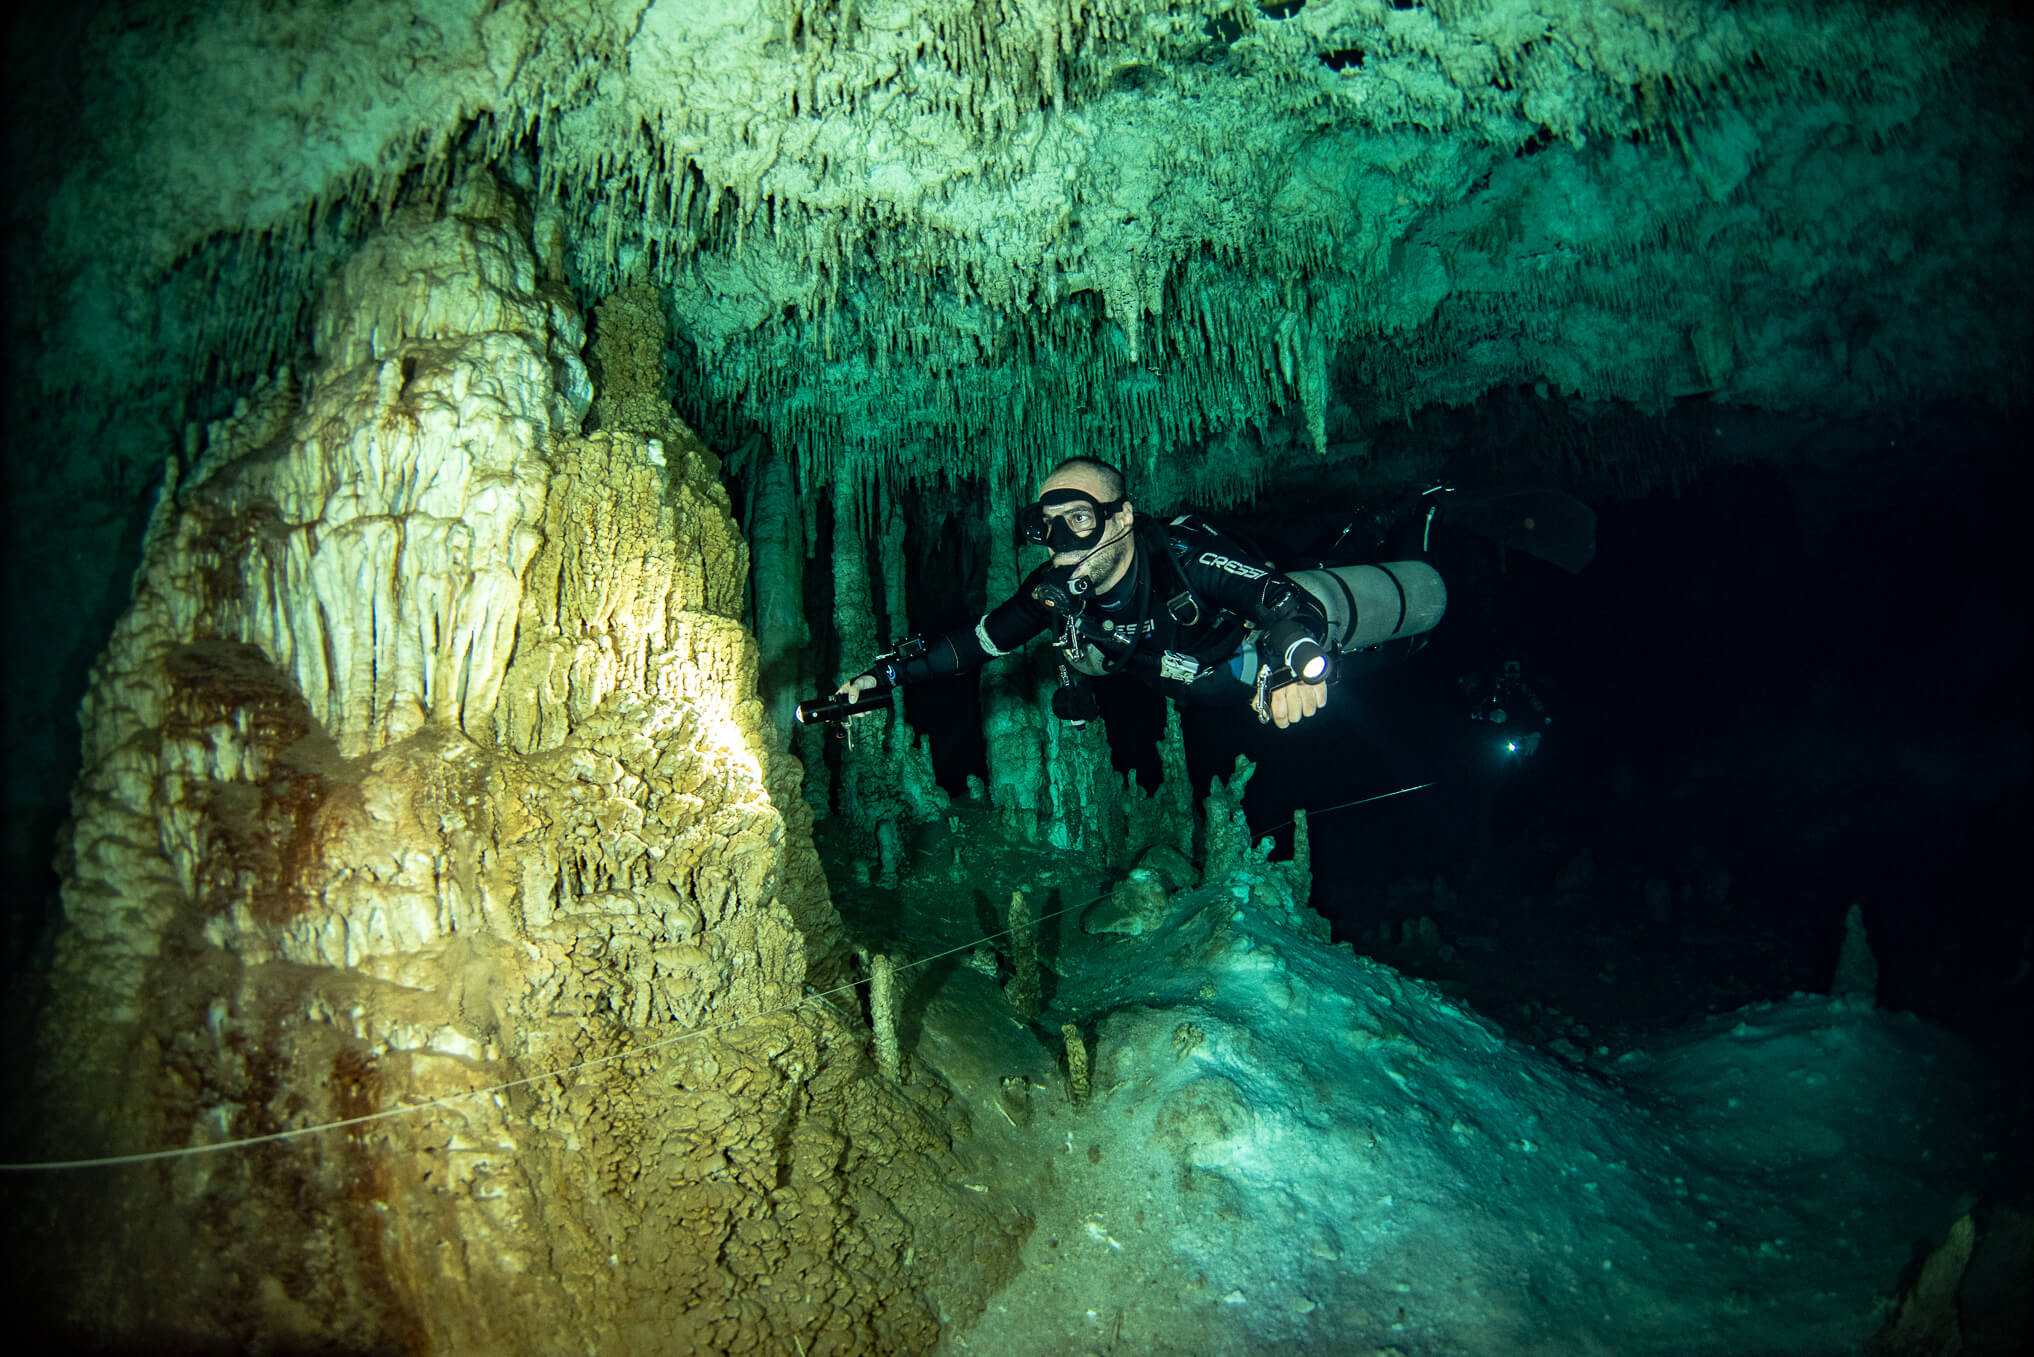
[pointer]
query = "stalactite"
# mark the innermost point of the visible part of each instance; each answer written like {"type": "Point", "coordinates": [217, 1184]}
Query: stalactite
{"type": "Point", "coordinates": [1313, 389]}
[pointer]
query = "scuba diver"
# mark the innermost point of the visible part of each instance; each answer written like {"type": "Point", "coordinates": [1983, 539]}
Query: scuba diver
{"type": "Point", "coordinates": [1506, 701]}
{"type": "Point", "coordinates": [1188, 610]}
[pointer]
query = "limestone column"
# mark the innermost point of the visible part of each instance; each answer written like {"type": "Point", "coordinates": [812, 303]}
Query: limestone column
{"type": "Point", "coordinates": [896, 613]}
{"type": "Point", "coordinates": [909, 752]}
{"type": "Point", "coordinates": [781, 633]}
{"type": "Point", "coordinates": [1013, 687]}
{"type": "Point", "coordinates": [866, 789]}
{"type": "Point", "coordinates": [854, 604]}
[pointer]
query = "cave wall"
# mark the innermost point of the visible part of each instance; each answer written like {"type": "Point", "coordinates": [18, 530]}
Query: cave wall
{"type": "Point", "coordinates": [957, 241]}
{"type": "Point", "coordinates": [428, 759]}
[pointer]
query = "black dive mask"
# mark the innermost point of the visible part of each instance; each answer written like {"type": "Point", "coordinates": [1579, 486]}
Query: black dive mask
{"type": "Point", "coordinates": [1062, 533]}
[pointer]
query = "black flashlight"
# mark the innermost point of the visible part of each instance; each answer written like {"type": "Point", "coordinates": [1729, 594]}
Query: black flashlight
{"type": "Point", "coordinates": [839, 707]}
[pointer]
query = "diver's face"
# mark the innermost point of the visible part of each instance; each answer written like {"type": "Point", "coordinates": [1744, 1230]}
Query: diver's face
{"type": "Point", "coordinates": [1106, 552]}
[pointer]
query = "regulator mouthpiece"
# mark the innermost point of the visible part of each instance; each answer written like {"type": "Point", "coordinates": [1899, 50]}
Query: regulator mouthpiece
{"type": "Point", "coordinates": [1066, 595]}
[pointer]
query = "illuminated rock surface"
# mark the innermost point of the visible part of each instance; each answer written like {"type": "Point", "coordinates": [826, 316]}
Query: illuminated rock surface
{"type": "Point", "coordinates": [427, 759]}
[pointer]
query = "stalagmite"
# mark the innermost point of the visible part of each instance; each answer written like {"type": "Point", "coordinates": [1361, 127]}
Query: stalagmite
{"type": "Point", "coordinates": [1176, 788]}
{"type": "Point", "coordinates": [1076, 1066]}
{"type": "Point", "coordinates": [1022, 991]}
{"type": "Point", "coordinates": [1300, 871]}
{"type": "Point", "coordinates": [883, 1015]}
{"type": "Point", "coordinates": [1227, 828]}
{"type": "Point", "coordinates": [1084, 808]}
{"type": "Point", "coordinates": [427, 758]}
{"type": "Point", "coordinates": [1857, 970]}
{"type": "Point", "coordinates": [909, 753]}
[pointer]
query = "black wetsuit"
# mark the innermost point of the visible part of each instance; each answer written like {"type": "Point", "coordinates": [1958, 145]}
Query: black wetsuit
{"type": "Point", "coordinates": [1175, 620]}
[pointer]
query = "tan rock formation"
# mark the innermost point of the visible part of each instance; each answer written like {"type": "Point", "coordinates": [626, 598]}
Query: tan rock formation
{"type": "Point", "coordinates": [428, 759]}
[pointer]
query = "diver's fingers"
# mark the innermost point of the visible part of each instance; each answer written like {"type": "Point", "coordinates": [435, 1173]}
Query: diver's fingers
{"type": "Point", "coordinates": [1285, 706]}
{"type": "Point", "coordinates": [1296, 702]}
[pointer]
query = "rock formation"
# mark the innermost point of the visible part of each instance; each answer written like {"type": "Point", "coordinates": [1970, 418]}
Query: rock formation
{"type": "Point", "coordinates": [428, 759]}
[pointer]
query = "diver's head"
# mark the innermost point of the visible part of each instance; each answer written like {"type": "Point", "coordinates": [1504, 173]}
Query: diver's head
{"type": "Point", "coordinates": [1084, 518]}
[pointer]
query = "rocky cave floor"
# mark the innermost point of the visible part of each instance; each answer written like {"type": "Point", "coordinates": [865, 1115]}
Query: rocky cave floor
{"type": "Point", "coordinates": [1584, 981]}
{"type": "Point", "coordinates": [944, 922]}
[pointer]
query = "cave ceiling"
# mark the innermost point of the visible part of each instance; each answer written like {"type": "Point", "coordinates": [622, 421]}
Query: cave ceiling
{"type": "Point", "coordinates": [960, 240]}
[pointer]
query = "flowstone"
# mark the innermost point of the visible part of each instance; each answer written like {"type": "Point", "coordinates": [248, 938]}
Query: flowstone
{"type": "Point", "coordinates": [428, 760]}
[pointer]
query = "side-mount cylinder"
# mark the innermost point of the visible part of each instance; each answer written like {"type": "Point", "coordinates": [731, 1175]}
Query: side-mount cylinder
{"type": "Point", "coordinates": [1368, 605]}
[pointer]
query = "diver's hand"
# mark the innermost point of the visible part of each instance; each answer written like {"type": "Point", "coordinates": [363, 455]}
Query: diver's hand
{"type": "Point", "coordinates": [855, 687]}
{"type": "Point", "coordinates": [1296, 702]}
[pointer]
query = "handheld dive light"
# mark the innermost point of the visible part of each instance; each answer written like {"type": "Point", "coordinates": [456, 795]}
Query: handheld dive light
{"type": "Point", "coordinates": [837, 707]}
{"type": "Point", "coordinates": [887, 670]}
{"type": "Point", "coordinates": [1288, 646]}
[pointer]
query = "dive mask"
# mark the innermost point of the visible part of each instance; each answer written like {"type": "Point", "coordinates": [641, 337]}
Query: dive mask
{"type": "Point", "coordinates": [1078, 528]}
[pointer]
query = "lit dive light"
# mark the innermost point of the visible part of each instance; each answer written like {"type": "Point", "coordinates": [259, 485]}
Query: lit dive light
{"type": "Point", "coordinates": [1304, 656]}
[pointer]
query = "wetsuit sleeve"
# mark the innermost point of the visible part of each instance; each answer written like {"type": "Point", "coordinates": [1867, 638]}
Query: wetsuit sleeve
{"type": "Point", "coordinates": [1001, 630]}
{"type": "Point", "coordinates": [1238, 582]}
